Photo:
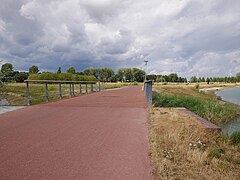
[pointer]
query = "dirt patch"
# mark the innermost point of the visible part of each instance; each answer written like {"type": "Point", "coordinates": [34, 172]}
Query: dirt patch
{"type": "Point", "coordinates": [181, 149]}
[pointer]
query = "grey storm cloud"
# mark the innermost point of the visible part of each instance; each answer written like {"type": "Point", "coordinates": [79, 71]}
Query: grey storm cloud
{"type": "Point", "coordinates": [188, 37]}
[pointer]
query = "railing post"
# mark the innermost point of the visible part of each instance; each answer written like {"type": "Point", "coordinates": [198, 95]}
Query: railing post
{"type": "Point", "coordinates": [91, 88]}
{"type": "Point", "coordinates": [86, 88]}
{"type": "Point", "coordinates": [73, 89]}
{"type": "Point", "coordinates": [27, 94]}
{"type": "Point", "coordinates": [80, 89]}
{"type": "Point", "coordinates": [102, 86]}
{"type": "Point", "coordinates": [99, 86]}
{"type": "Point", "coordinates": [60, 90]}
{"type": "Point", "coordinates": [46, 96]}
{"type": "Point", "coordinates": [148, 92]}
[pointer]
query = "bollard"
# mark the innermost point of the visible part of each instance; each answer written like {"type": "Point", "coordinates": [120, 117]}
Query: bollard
{"type": "Point", "coordinates": [148, 92]}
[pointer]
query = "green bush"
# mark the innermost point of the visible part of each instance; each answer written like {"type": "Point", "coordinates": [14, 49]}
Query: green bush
{"type": "Point", "coordinates": [235, 138]}
{"type": "Point", "coordinates": [61, 76]}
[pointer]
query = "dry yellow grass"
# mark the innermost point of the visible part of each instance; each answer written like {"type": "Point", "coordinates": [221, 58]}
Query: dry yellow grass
{"type": "Point", "coordinates": [181, 149]}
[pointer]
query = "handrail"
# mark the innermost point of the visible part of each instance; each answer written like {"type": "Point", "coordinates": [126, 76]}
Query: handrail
{"type": "Point", "coordinates": [60, 82]}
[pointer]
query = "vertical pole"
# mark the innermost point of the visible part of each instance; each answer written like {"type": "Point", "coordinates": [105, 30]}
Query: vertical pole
{"type": "Point", "coordinates": [80, 89]}
{"type": "Point", "coordinates": [73, 89]}
{"type": "Point", "coordinates": [102, 86]}
{"type": "Point", "coordinates": [148, 92]}
{"type": "Point", "coordinates": [96, 87]}
{"type": "Point", "coordinates": [60, 91]}
{"type": "Point", "coordinates": [86, 88]}
{"type": "Point", "coordinates": [70, 89]}
{"type": "Point", "coordinates": [46, 96]}
{"type": "Point", "coordinates": [99, 86]}
{"type": "Point", "coordinates": [27, 94]}
{"type": "Point", "coordinates": [91, 88]}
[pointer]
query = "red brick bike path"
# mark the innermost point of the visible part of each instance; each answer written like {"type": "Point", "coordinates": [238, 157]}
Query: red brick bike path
{"type": "Point", "coordinates": [98, 136]}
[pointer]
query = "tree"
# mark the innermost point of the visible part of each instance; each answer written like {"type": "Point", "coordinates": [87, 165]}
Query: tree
{"type": "Point", "coordinates": [173, 77]}
{"type": "Point", "coordinates": [7, 69]}
{"type": "Point", "coordinates": [89, 71]}
{"type": "Point", "coordinates": [59, 71]}
{"type": "Point", "coordinates": [194, 79]}
{"type": "Point", "coordinates": [128, 73]}
{"type": "Point", "coordinates": [120, 74]}
{"type": "Point", "coordinates": [20, 76]}
{"type": "Point", "coordinates": [208, 80]}
{"type": "Point", "coordinates": [33, 70]}
{"type": "Point", "coordinates": [71, 70]}
{"type": "Point", "coordinates": [138, 74]}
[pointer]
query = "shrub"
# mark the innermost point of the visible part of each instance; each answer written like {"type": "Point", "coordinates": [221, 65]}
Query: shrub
{"type": "Point", "coordinates": [61, 76]}
{"type": "Point", "coordinates": [235, 138]}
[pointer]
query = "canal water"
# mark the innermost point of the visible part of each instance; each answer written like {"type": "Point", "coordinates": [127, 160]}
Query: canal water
{"type": "Point", "coordinates": [231, 95]}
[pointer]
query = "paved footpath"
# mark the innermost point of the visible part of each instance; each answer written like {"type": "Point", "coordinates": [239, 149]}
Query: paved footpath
{"type": "Point", "coordinates": [97, 136]}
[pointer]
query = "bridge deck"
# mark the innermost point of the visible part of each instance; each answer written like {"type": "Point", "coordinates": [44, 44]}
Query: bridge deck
{"type": "Point", "coordinates": [97, 136]}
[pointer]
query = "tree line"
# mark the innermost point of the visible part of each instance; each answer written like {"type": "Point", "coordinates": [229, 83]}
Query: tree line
{"type": "Point", "coordinates": [227, 79]}
{"type": "Point", "coordinates": [8, 74]}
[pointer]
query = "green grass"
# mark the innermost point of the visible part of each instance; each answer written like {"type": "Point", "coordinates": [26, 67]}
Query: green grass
{"type": "Point", "coordinates": [210, 109]}
{"type": "Point", "coordinates": [216, 152]}
{"type": "Point", "coordinates": [235, 138]}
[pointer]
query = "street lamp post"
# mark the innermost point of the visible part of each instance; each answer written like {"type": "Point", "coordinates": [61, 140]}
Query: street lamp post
{"type": "Point", "coordinates": [145, 79]}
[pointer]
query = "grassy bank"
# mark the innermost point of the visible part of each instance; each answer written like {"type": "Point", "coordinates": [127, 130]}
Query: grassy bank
{"type": "Point", "coordinates": [181, 149]}
{"type": "Point", "coordinates": [205, 104]}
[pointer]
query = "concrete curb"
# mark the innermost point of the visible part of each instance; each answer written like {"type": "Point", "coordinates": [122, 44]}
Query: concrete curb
{"type": "Point", "coordinates": [203, 122]}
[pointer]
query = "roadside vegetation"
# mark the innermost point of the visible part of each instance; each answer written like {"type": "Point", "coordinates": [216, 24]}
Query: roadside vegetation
{"type": "Point", "coordinates": [205, 104]}
{"type": "Point", "coordinates": [181, 149]}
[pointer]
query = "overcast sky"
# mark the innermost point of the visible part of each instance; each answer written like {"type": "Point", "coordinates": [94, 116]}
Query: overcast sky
{"type": "Point", "coordinates": [188, 37]}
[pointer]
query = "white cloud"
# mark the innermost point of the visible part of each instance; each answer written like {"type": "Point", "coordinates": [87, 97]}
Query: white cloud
{"type": "Point", "coordinates": [183, 36]}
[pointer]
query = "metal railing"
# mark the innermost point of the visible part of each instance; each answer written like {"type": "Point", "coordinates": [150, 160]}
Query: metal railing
{"type": "Point", "coordinates": [82, 85]}
{"type": "Point", "coordinates": [148, 92]}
